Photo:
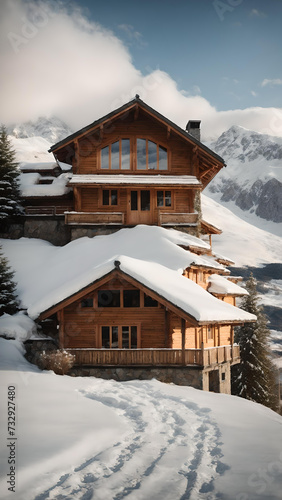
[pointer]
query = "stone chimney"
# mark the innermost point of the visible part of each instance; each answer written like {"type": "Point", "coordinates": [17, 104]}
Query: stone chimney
{"type": "Point", "coordinates": [193, 128]}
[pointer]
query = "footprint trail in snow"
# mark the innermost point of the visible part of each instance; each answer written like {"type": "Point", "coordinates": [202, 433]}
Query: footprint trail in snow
{"type": "Point", "coordinates": [172, 453]}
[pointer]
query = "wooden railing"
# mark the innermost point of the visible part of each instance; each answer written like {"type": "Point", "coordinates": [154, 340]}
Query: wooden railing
{"type": "Point", "coordinates": [51, 210]}
{"type": "Point", "coordinates": [156, 357]}
{"type": "Point", "coordinates": [94, 218]}
{"type": "Point", "coordinates": [170, 219]}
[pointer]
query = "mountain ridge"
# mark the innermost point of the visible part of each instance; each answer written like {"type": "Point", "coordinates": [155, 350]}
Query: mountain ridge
{"type": "Point", "coordinates": [253, 176]}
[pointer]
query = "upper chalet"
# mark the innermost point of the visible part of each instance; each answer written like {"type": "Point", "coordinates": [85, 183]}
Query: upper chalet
{"type": "Point", "coordinates": [134, 166]}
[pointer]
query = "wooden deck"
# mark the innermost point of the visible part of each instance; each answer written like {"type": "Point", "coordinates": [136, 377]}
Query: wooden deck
{"type": "Point", "coordinates": [94, 218]}
{"type": "Point", "coordinates": [156, 357]}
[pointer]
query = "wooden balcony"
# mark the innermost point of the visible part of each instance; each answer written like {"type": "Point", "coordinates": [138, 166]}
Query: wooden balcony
{"type": "Point", "coordinates": [177, 219]}
{"type": "Point", "coordinates": [94, 218]}
{"type": "Point", "coordinates": [157, 357]}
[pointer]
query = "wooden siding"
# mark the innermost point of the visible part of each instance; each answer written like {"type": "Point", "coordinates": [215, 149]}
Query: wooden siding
{"type": "Point", "coordinates": [88, 200]}
{"type": "Point", "coordinates": [82, 325]}
{"type": "Point", "coordinates": [179, 152]}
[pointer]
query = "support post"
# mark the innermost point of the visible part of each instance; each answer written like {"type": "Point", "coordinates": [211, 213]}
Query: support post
{"type": "Point", "coordinates": [166, 328]}
{"type": "Point", "coordinates": [232, 341]}
{"type": "Point", "coordinates": [203, 353]}
{"type": "Point", "coordinates": [183, 322]}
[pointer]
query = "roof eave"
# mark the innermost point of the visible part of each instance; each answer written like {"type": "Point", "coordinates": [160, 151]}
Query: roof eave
{"type": "Point", "coordinates": [152, 111]}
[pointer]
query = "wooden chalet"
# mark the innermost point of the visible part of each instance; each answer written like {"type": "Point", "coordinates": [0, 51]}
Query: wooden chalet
{"type": "Point", "coordinates": [134, 166]}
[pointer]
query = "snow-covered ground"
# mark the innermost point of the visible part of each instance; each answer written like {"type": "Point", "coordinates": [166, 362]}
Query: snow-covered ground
{"type": "Point", "coordinates": [85, 438]}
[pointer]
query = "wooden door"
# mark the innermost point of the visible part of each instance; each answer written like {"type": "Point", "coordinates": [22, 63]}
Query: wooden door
{"type": "Point", "coordinates": [139, 207]}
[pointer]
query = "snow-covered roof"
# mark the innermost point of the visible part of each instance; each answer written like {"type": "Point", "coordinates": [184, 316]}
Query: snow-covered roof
{"type": "Point", "coordinates": [38, 166]}
{"type": "Point", "coordinates": [48, 275]}
{"type": "Point", "coordinates": [223, 286]}
{"type": "Point", "coordinates": [157, 180]}
{"type": "Point", "coordinates": [30, 187]}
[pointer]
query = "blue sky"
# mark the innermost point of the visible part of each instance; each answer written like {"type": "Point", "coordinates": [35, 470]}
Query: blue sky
{"type": "Point", "coordinates": [224, 50]}
{"type": "Point", "coordinates": [218, 61]}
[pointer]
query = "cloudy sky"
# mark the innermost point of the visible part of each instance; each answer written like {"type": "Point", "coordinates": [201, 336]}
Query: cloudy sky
{"type": "Point", "coordinates": [214, 60]}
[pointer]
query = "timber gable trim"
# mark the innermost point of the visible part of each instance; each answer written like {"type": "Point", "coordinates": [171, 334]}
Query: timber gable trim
{"type": "Point", "coordinates": [134, 104]}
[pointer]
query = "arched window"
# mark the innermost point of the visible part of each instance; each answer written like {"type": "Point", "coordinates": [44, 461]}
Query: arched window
{"type": "Point", "coordinates": [150, 156]}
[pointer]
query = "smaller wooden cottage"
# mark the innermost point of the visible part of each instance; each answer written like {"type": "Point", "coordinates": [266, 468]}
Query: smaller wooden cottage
{"type": "Point", "coordinates": [153, 307]}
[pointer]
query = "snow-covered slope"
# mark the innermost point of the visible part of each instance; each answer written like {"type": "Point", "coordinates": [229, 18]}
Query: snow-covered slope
{"type": "Point", "coordinates": [253, 176]}
{"type": "Point", "coordinates": [241, 241]}
{"type": "Point", "coordinates": [85, 438]}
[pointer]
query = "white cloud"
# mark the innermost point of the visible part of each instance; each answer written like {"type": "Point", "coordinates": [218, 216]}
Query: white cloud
{"type": "Point", "coordinates": [55, 61]}
{"type": "Point", "coordinates": [254, 94]}
{"type": "Point", "coordinates": [274, 81]}
{"type": "Point", "coordinates": [257, 13]}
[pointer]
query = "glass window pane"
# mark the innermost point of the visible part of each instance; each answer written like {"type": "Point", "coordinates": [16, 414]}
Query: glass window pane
{"type": "Point", "coordinates": [145, 201]}
{"type": "Point", "coordinates": [106, 337]}
{"type": "Point", "coordinates": [125, 337]}
{"type": "Point", "coordinates": [131, 298]}
{"type": "Point", "coordinates": [168, 198]}
{"type": "Point", "coordinates": [115, 156]}
{"type": "Point", "coordinates": [134, 337]}
{"type": "Point", "coordinates": [125, 154]}
{"type": "Point", "coordinates": [134, 205]}
{"type": "Point", "coordinates": [152, 155]}
{"type": "Point", "coordinates": [108, 298]}
{"type": "Point", "coordinates": [106, 197]}
{"type": "Point", "coordinates": [149, 302]}
{"type": "Point", "coordinates": [87, 303]}
{"type": "Point", "coordinates": [114, 337]}
{"type": "Point", "coordinates": [105, 157]}
{"type": "Point", "coordinates": [114, 200]}
{"type": "Point", "coordinates": [160, 198]}
{"type": "Point", "coordinates": [141, 154]}
{"type": "Point", "coordinates": [162, 158]}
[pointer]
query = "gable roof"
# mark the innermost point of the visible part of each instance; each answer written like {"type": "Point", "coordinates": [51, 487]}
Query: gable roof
{"type": "Point", "coordinates": [137, 102]}
{"type": "Point", "coordinates": [178, 293]}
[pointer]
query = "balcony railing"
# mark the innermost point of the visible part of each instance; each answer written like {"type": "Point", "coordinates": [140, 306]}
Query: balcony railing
{"type": "Point", "coordinates": [94, 218]}
{"type": "Point", "coordinates": [157, 357]}
{"type": "Point", "coordinates": [175, 219]}
{"type": "Point", "coordinates": [49, 210]}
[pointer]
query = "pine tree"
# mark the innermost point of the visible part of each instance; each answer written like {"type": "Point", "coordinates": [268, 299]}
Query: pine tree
{"type": "Point", "coordinates": [9, 188]}
{"type": "Point", "coordinates": [8, 299]}
{"type": "Point", "coordinates": [254, 377]}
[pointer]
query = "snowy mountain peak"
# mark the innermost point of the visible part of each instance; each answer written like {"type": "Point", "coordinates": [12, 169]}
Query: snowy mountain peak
{"type": "Point", "coordinates": [52, 129]}
{"type": "Point", "coordinates": [247, 145]}
{"type": "Point", "coordinates": [253, 177]}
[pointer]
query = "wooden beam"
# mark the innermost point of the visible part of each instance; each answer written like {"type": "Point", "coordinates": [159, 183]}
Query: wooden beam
{"type": "Point", "coordinates": [168, 133]}
{"type": "Point", "coordinates": [136, 112]}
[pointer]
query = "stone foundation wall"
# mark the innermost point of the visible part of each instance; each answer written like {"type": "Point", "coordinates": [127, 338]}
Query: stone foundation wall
{"type": "Point", "coordinates": [177, 375]}
{"type": "Point", "coordinates": [52, 229]}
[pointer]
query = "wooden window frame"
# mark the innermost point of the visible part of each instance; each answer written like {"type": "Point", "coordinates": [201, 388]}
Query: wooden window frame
{"type": "Point", "coordinates": [164, 207]}
{"type": "Point", "coordinates": [120, 325]}
{"type": "Point", "coordinates": [100, 198]}
{"type": "Point", "coordinates": [158, 144]}
{"type": "Point", "coordinates": [109, 145]}
{"type": "Point", "coordinates": [121, 306]}
{"type": "Point", "coordinates": [133, 155]}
